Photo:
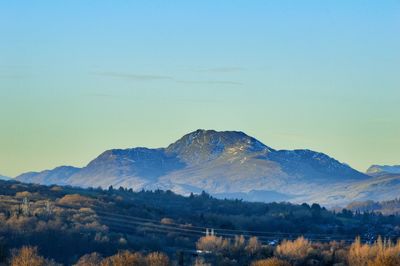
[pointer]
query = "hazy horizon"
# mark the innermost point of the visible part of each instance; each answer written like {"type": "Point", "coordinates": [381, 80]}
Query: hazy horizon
{"type": "Point", "coordinates": [77, 79]}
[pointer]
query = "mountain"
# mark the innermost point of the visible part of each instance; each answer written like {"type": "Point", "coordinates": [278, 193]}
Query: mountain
{"type": "Point", "coordinates": [135, 168]}
{"type": "Point", "coordinates": [383, 169]}
{"type": "Point", "coordinates": [225, 164]}
{"type": "Point", "coordinates": [2, 177]}
{"type": "Point", "coordinates": [57, 176]}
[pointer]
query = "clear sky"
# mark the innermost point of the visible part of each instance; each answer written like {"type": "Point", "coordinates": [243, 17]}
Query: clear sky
{"type": "Point", "coordinates": [79, 77]}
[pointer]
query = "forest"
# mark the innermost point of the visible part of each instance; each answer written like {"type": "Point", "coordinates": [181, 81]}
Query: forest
{"type": "Point", "coordinates": [387, 207]}
{"type": "Point", "coordinates": [54, 225]}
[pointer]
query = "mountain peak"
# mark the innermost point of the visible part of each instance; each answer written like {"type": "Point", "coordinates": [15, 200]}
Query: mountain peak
{"type": "Point", "coordinates": [204, 145]}
{"type": "Point", "coordinates": [219, 162]}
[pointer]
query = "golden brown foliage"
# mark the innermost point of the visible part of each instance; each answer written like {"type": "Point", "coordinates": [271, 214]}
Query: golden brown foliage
{"type": "Point", "coordinates": [28, 256]}
{"type": "Point", "coordinates": [200, 262]}
{"type": "Point", "coordinates": [238, 244]}
{"type": "Point", "coordinates": [124, 258]}
{"type": "Point", "coordinates": [23, 194]}
{"type": "Point", "coordinates": [75, 199]}
{"type": "Point", "coordinates": [253, 245]}
{"type": "Point", "coordinates": [56, 188]}
{"type": "Point", "coordinates": [92, 259]}
{"type": "Point", "coordinates": [271, 262]}
{"type": "Point", "coordinates": [157, 259]}
{"type": "Point", "coordinates": [212, 243]}
{"type": "Point", "coordinates": [296, 250]}
{"type": "Point", "coordinates": [382, 253]}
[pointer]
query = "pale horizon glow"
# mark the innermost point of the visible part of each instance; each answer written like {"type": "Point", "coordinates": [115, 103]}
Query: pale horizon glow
{"type": "Point", "coordinates": [80, 77]}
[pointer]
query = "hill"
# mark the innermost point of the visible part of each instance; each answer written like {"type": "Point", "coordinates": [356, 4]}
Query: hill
{"type": "Point", "coordinates": [383, 169]}
{"type": "Point", "coordinates": [58, 176]}
{"type": "Point", "coordinates": [225, 164]}
{"type": "Point", "coordinates": [66, 223]}
{"type": "Point", "coordinates": [2, 177]}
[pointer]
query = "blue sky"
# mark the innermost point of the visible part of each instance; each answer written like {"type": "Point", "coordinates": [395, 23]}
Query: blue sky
{"type": "Point", "coordinates": [79, 77]}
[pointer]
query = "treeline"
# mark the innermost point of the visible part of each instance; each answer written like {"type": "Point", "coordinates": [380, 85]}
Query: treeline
{"type": "Point", "coordinates": [66, 223]}
{"type": "Point", "coordinates": [299, 252]}
{"type": "Point", "coordinates": [220, 251]}
{"type": "Point", "coordinates": [29, 256]}
{"type": "Point", "coordinates": [389, 207]}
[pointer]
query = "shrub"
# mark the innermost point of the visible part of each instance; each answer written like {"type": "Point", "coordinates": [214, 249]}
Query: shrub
{"type": "Point", "coordinates": [270, 262]}
{"type": "Point", "coordinates": [294, 251]}
{"type": "Point", "coordinates": [382, 253]}
{"type": "Point", "coordinates": [75, 199]}
{"type": "Point", "coordinates": [253, 246]}
{"type": "Point", "coordinates": [157, 259]}
{"type": "Point", "coordinates": [124, 258]}
{"type": "Point", "coordinates": [28, 256]}
{"type": "Point", "coordinates": [212, 243]}
{"type": "Point", "coordinates": [200, 262]}
{"type": "Point", "coordinates": [93, 259]}
{"type": "Point", "coordinates": [23, 194]}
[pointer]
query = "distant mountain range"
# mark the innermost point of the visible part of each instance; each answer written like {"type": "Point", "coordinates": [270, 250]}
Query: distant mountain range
{"type": "Point", "coordinates": [225, 164]}
{"type": "Point", "coordinates": [2, 177]}
{"type": "Point", "coordinates": [383, 169]}
{"type": "Point", "coordinates": [57, 176]}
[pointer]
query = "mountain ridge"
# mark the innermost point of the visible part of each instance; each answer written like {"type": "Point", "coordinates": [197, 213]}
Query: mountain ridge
{"type": "Point", "coordinates": [219, 162]}
{"type": "Point", "coordinates": [2, 177]}
{"type": "Point", "coordinates": [383, 169]}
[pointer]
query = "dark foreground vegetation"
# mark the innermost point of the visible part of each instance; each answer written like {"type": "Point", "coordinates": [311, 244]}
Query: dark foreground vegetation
{"type": "Point", "coordinates": [221, 251]}
{"type": "Point", "coordinates": [53, 225]}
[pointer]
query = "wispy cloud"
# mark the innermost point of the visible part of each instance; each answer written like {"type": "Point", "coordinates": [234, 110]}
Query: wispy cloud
{"type": "Point", "coordinates": [139, 77]}
{"type": "Point", "coordinates": [210, 82]}
{"type": "Point", "coordinates": [147, 77]}
{"type": "Point", "coordinates": [221, 69]}
{"type": "Point", "coordinates": [12, 76]}
{"type": "Point", "coordinates": [100, 95]}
